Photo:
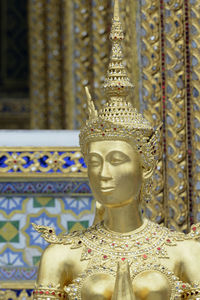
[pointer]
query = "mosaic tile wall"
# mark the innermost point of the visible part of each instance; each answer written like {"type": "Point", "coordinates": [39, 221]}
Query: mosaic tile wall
{"type": "Point", "coordinates": [43, 187]}
{"type": "Point", "coordinates": [20, 245]}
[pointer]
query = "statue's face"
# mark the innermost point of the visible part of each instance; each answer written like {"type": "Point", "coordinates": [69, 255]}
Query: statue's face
{"type": "Point", "coordinates": [114, 172]}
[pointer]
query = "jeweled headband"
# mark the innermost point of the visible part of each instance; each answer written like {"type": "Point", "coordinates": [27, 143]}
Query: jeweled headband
{"type": "Point", "coordinates": [118, 119]}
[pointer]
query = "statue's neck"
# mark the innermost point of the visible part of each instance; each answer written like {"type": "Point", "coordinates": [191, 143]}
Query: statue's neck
{"type": "Point", "coordinates": [124, 218]}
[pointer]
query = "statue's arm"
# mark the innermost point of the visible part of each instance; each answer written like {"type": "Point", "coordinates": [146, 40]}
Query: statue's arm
{"type": "Point", "coordinates": [53, 273]}
{"type": "Point", "coordinates": [190, 261]}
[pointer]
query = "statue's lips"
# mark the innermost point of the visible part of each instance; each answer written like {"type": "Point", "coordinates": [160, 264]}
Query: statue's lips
{"type": "Point", "coordinates": [107, 189]}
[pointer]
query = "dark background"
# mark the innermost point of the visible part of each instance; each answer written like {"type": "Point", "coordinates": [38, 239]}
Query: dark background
{"type": "Point", "coordinates": [14, 65]}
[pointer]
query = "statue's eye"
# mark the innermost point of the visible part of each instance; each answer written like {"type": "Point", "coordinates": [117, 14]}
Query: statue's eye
{"type": "Point", "coordinates": [118, 158]}
{"type": "Point", "coordinates": [116, 161]}
{"type": "Point", "coordinates": [94, 161]}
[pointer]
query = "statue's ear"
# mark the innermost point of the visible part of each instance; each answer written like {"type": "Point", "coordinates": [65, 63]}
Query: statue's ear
{"type": "Point", "coordinates": [147, 173]}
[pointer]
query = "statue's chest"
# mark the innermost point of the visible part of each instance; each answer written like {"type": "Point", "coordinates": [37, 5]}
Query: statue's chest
{"type": "Point", "coordinates": [143, 251]}
{"type": "Point", "coordinates": [147, 279]}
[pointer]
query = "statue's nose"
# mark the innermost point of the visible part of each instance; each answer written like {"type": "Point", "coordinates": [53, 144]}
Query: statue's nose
{"type": "Point", "coordinates": [105, 172]}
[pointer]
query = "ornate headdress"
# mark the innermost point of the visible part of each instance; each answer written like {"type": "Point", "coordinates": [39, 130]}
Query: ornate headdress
{"type": "Point", "coordinates": [118, 119]}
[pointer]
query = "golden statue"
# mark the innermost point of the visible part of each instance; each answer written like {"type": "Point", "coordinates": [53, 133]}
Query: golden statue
{"type": "Point", "coordinates": [124, 256]}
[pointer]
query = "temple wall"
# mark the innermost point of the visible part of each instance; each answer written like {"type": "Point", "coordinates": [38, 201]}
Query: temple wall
{"type": "Point", "coordinates": [43, 181]}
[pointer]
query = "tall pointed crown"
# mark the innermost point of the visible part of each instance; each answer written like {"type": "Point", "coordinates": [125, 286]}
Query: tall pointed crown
{"type": "Point", "coordinates": [117, 82]}
{"type": "Point", "coordinates": [118, 119]}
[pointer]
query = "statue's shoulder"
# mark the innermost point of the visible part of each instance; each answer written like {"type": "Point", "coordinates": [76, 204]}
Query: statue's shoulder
{"type": "Point", "coordinates": [194, 232]}
{"type": "Point", "coordinates": [173, 235]}
{"type": "Point", "coordinates": [50, 236]}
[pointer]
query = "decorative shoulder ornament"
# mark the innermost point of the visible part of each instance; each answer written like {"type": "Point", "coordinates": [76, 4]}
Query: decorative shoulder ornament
{"type": "Point", "coordinates": [49, 235]}
{"type": "Point", "coordinates": [149, 237]}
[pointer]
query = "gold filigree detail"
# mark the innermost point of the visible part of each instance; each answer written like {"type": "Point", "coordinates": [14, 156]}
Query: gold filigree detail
{"type": "Point", "coordinates": [176, 143]}
{"type": "Point", "coordinates": [194, 45]}
{"type": "Point", "coordinates": [131, 17]}
{"type": "Point", "coordinates": [15, 164]}
{"type": "Point", "coordinates": [46, 69]}
{"type": "Point", "coordinates": [55, 116]}
{"type": "Point", "coordinates": [37, 63]}
{"type": "Point", "coordinates": [68, 60]}
{"type": "Point", "coordinates": [101, 20]}
{"type": "Point", "coordinates": [151, 74]}
{"type": "Point", "coordinates": [83, 55]}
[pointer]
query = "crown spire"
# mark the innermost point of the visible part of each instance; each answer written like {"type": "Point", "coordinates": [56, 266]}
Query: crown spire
{"type": "Point", "coordinates": [117, 83]}
{"type": "Point", "coordinates": [118, 119]}
{"type": "Point", "coordinates": [116, 10]}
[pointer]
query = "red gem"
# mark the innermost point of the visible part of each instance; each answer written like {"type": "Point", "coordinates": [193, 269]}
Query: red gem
{"type": "Point", "coordinates": [92, 129]}
{"type": "Point", "coordinates": [138, 243]}
{"type": "Point", "coordinates": [55, 161]}
{"type": "Point", "coordinates": [113, 244]}
{"type": "Point", "coordinates": [123, 258]}
{"type": "Point", "coordinates": [158, 248]}
{"type": "Point", "coordinates": [14, 161]}
{"type": "Point", "coordinates": [147, 239]}
{"type": "Point", "coordinates": [115, 128]}
{"type": "Point", "coordinates": [33, 292]}
{"type": "Point", "coordinates": [53, 293]}
{"type": "Point", "coordinates": [101, 125]}
{"type": "Point", "coordinates": [194, 228]}
{"type": "Point", "coordinates": [145, 256]}
{"type": "Point", "coordinates": [89, 250]}
{"type": "Point", "coordinates": [184, 286]}
{"type": "Point", "coordinates": [59, 295]}
{"type": "Point", "coordinates": [105, 256]}
{"type": "Point", "coordinates": [103, 134]}
{"type": "Point", "coordinates": [168, 240]}
{"type": "Point", "coordinates": [126, 245]}
{"type": "Point", "coordinates": [41, 292]}
{"type": "Point", "coordinates": [47, 293]}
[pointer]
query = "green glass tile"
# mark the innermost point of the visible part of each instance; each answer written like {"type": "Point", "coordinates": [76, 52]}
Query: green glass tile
{"type": "Point", "coordinates": [36, 260]}
{"type": "Point", "coordinates": [9, 231]}
{"type": "Point", "coordinates": [43, 202]}
{"type": "Point", "coordinates": [73, 225]}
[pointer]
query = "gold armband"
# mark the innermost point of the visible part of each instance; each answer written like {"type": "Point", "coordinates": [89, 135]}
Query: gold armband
{"type": "Point", "coordinates": [49, 293]}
